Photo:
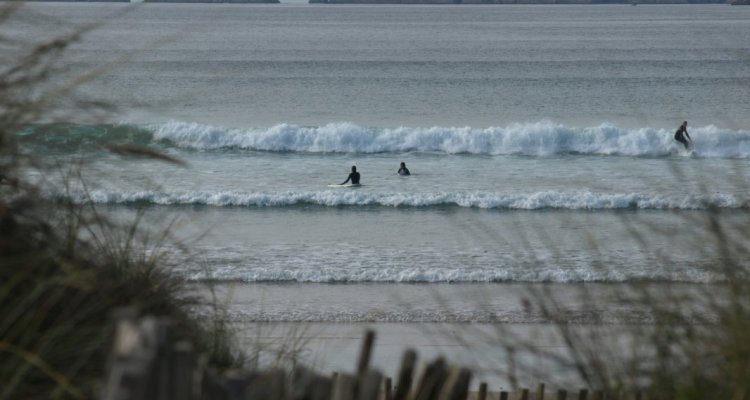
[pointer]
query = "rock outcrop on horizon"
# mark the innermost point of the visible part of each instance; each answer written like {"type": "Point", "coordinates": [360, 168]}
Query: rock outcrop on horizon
{"type": "Point", "coordinates": [208, 1]}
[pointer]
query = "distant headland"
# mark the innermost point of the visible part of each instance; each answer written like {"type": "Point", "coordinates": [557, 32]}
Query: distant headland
{"type": "Point", "coordinates": [165, 1]}
{"type": "Point", "coordinates": [636, 2]}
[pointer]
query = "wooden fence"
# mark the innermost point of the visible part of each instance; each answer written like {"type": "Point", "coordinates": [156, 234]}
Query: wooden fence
{"type": "Point", "coordinates": [146, 365]}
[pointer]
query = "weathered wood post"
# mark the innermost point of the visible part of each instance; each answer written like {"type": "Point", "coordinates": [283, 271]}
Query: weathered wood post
{"type": "Point", "coordinates": [344, 388]}
{"type": "Point", "coordinates": [388, 389]}
{"type": "Point", "coordinates": [183, 372]}
{"type": "Point", "coordinates": [503, 395]}
{"type": "Point", "coordinates": [432, 380]}
{"type": "Point", "coordinates": [163, 361]}
{"type": "Point", "coordinates": [369, 385]}
{"type": "Point", "coordinates": [540, 392]}
{"type": "Point", "coordinates": [583, 394]}
{"type": "Point", "coordinates": [456, 385]}
{"type": "Point", "coordinates": [405, 375]}
{"type": "Point", "coordinates": [132, 371]}
{"type": "Point", "coordinates": [524, 394]}
{"type": "Point", "coordinates": [364, 354]}
{"type": "Point", "coordinates": [562, 394]}
{"type": "Point", "coordinates": [482, 391]}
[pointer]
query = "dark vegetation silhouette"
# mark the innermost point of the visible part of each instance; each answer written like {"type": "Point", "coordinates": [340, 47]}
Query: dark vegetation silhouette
{"type": "Point", "coordinates": [64, 267]}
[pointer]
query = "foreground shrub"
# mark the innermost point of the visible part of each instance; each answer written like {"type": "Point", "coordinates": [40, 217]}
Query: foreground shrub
{"type": "Point", "coordinates": [63, 267]}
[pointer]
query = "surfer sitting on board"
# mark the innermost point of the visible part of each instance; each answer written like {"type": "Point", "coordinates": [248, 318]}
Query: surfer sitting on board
{"type": "Point", "coordinates": [403, 170]}
{"type": "Point", "coordinates": [354, 176]}
{"type": "Point", "coordinates": [682, 135]}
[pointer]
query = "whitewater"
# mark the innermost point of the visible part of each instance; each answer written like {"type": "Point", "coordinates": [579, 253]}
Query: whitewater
{"type": "Point", "coordinates": [524, 204]}
{"type": "Point", "coordinates": [533, 139]}
{"type": "Point", "coordinates": [582, 200]}
{"type": "Point", "coordinates": [527, 203]}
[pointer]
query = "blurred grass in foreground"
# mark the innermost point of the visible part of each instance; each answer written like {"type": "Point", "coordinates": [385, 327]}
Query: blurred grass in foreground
{"type": "Point", "coordinates": [675, 341]}
{"type": "Point", "coordinates": [64, 267]}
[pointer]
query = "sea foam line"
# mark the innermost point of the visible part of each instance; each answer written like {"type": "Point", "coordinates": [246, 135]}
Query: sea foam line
{"type": "Point", "coordinates": [534, 139]}
{"type": "Point", "coordinates": [549, 199]}
{"type": "Point", "coordinates": [346, 274]}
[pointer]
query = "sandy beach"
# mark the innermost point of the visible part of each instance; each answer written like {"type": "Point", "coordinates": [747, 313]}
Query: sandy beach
{"type": "Point", "coordinates": [334, 347]}
{"type": "Point", "coordinates": [330, 341]}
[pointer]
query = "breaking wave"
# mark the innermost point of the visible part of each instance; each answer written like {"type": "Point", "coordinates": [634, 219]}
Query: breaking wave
{"type": "Point", "coordinates": [542, 138]}
{"type": "Point", "coordinates": [550, 199]}
{"type": "Point", "coordinates": [533, 139]}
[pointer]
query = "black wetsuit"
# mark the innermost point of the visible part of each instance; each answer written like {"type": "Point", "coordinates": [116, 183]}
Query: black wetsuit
{"type": "Point", "coordinates": [354, 177]}
{"type": "Point", "coordinates": [403, 171]}
{"type": "Point", "coordinates": [680, 136]}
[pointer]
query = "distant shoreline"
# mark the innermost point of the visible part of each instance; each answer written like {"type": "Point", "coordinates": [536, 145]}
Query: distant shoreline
{"type": "Point", "coordinates": [424, 2]}
{"type": "Point", "coordinates": [158, 1]}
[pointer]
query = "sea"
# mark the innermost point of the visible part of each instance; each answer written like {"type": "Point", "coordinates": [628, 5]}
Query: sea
{"type": "Point", "coordinates": [540, 140]}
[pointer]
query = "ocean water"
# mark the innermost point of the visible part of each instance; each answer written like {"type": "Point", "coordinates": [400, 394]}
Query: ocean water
{"type": "Point", "coordinates": [539, 138]}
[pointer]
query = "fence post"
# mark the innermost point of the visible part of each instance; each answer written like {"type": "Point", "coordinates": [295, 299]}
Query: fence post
{"type": "Point", "coordinates": [163, 359]}
{"type": "Point", "coordinates": [405, 375]}
{"type": "Point", "coordinates": [388, 389]}
{"type": "Point", "coordinates": [344, 388]}
{"type": "Point", "coordinates": [482, 391]}
{"type": "Point", "coordinates": [183, 368]}
{"type": "Point", "coordinates": [364, 354]}
{"type": "Point", "coordinates": [134, 365]}
{"type": "Point", "coordinates": [432, 380]}
{"type": "Point", "coordinates": [540, 392]}
{"type": "Point", "coordinates": [456, 385]}
{"type": "Point", "coordinates": [369, 385]}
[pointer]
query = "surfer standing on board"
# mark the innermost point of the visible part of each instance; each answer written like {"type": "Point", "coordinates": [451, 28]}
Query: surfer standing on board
{"type": "Point", "coordinates": [353, 176]}
{"type": "Point", "coordinates": [682, 135]}
{"type": "Point", "coordinates": [403, 170]}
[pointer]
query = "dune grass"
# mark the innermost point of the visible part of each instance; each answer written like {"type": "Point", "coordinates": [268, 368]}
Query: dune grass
{"type": "Point", "coordinates": [676, 341]}
{"type": "Point", "coordinates": [63, 266]}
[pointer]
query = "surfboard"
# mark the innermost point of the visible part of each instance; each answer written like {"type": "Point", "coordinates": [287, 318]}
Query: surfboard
{"type": "Point", "coordinates": [348, 185]}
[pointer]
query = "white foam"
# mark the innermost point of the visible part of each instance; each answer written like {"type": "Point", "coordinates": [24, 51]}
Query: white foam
{"type": "Point", "coordinates": [534, 139]}
{"type": "Point", "coordinates": [321, 264]}
{"type": "Point", "coordinates": [549, 199]}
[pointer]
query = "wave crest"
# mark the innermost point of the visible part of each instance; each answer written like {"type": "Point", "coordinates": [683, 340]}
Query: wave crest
{"type": "Point", "coordinates": [549, 199]}
{"type": "Point", "coordinates": [533, 139]}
